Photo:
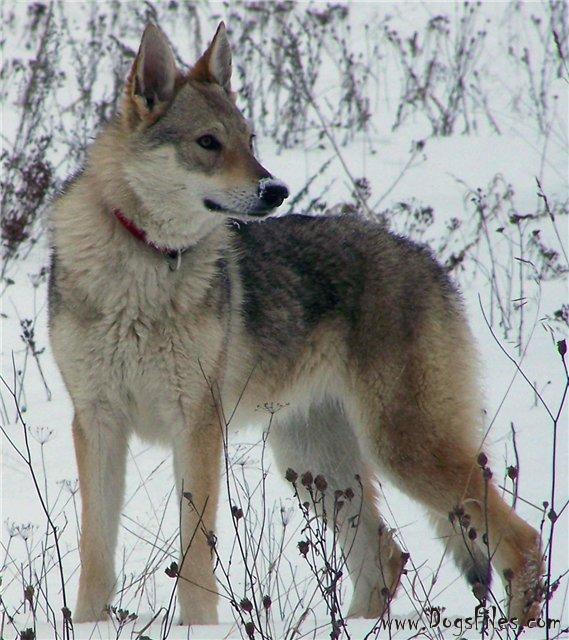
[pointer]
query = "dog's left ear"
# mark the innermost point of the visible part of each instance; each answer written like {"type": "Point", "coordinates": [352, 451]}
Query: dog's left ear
{"type": "Point", "coordinates": [215, 64]}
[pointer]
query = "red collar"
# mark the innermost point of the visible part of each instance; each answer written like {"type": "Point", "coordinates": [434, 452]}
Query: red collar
{"type": "Point", "coordinates": [140, 234]}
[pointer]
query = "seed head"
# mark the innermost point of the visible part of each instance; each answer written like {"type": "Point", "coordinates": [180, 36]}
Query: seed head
{"type": "Point", "coordinates": [512, 473]}
{"type": "Point", "coordinates": [29, 594]}
{"type": "Point", "coordinates": [291, 475]}
{"type": "Point", "coordinates": [246, 605]}
{"type": "Point", "coordinates": [552, 516]}
{"type": "Point", "coordinates": [465, 521]}
{"type": "Point", "coordinates": [307, 479]}
{"type": "Point", "coordinates": [303, 547]}
{"type": "Point", "coordinates": [211, 539]}
{"type": "Point", "coordinates": [320, 483]}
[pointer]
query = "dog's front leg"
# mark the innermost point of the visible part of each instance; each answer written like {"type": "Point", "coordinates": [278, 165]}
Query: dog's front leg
{"type": "Point", "coordinates": [101, 457]}
{"type": "Point", "coordinates": [197, 451]}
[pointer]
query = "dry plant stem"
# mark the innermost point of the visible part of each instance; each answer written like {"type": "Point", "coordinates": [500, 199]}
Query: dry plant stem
{"type": "Point", "coordinates": [67, 625]}
{"type": "Point", "coordinates": [417, 602]}
{"type": "Point", "coordinates": [154, 558]}
{"type": "Point", "coordinates": [513, 361]}
{"type": "Point", "coordinates": [228, 586]}
{"type": "Point", "coordinates": [559, 49]}
{"type": "Point", "coordinates": [140, 632]}
{"type": "Point", "coordinates": [398, 179]}
{"type": "Point", "coordinates": [224, 426]}
{"type": "Point", "coordinates": [315, 528]}
{"type": "Point", "coordinates": [263, 490]}
{"type": "Point", "coordinates": [553, 517]}
{"type": "Point", "coordinates": [521, 298]}
{"type": "Point", "coordinates": [28, 338]}
{"type": "Point", "coordinates": [493, 261]}
{"type": "Point", "coordinates": [10, 620]}
{"type": "Point", "coordinates": [510, 384]}
{"type": "Point", "coordinates": [517, 467]}
{"type": "Point", "coordinates": [541, 194]}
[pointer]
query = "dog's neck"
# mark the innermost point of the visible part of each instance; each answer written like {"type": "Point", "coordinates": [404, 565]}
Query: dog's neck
{"type": "Point", "coordinates": [102, 268]}
{"type": "Point", "coordinates": [173, 256]}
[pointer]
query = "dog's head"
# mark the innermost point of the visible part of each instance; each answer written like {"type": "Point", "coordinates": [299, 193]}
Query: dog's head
{"type": "Point", "coordinates": [190, 151]}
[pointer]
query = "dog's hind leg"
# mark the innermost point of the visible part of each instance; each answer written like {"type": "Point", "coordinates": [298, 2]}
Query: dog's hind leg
{"type": "Point", "coordinates": [424, 433]}
{"type": "Point", "coordinates": [322, 441]}
{"type": "Point", "coordinates": [197, 460]}
{"type": "Point", "coordinates": [101, 459]}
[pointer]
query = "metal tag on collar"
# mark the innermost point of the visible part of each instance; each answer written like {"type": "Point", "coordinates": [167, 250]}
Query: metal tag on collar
{"type": "Point", "coordinates": [174, 260]}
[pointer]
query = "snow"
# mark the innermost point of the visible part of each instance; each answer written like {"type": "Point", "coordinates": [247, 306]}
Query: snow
{"type": "Point", "coordinates": [150, 508]}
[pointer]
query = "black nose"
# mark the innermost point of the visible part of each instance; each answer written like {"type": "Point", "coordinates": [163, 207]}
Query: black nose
{"type": "Point", "coordinates": [273, 193]}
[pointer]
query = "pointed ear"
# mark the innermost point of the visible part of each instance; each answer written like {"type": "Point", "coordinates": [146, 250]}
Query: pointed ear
{"type": "Point", "coordinates": [153, 77]}
{"type": "Point", "coordinates": [215, 63]}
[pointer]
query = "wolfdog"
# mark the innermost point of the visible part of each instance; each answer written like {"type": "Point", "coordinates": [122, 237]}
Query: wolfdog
{"type": "Point", "coordinates": [166, 284]}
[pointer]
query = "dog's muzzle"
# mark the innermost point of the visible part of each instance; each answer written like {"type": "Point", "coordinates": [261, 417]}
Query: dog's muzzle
{"type": "Point", "coordinates": [270, 194]}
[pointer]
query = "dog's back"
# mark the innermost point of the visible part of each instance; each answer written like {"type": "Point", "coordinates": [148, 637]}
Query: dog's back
{"type": "Point", "coordinates": [299, 270]}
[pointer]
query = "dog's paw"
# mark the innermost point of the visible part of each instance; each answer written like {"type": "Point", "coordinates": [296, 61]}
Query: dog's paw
{"type": "Point", "coordinates": [527, 592]}
{"type": "Point", "coordinates": [86, 612]}
{"type": "Point", "coordinates": [367, 603]}
{"type": "Point", "coordinates": [185, 620]}
{"type": "Point", "coordinates": [191, 614]}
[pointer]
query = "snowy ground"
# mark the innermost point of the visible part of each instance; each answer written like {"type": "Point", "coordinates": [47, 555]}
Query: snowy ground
{"type": "Point", "coordinates": [150, 506]}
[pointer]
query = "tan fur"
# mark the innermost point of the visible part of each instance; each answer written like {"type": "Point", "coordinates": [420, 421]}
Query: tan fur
{"type": "Point", "coordinates": [200, 457]}
{"type": "Point", "coordinates": [357, 334]}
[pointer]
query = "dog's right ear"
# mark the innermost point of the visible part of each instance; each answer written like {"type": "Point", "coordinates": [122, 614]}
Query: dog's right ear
{"type": "Point", "coordinates": [152, 80]}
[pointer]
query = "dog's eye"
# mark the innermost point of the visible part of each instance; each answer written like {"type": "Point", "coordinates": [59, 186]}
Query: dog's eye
{"type": "Point", "coordinates": [211, 143]}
